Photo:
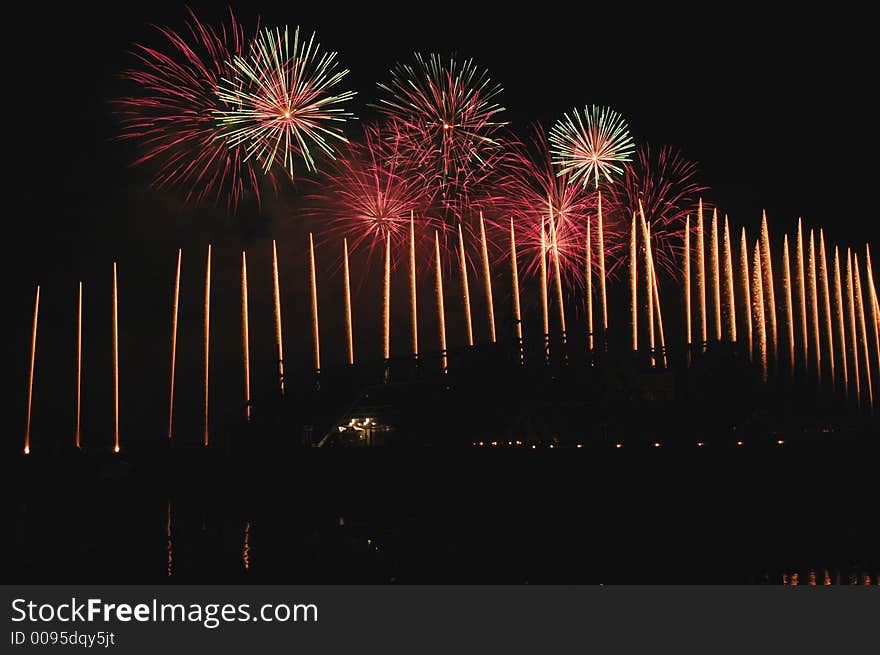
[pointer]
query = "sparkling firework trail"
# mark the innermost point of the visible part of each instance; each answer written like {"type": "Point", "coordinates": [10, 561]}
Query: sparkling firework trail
{"type": "Point", "coordinates": [728, 279]}
{"type": "Point", "coordinates": [386, 302]}
{"type": "Point", "coordinates": [716, 273]}
{"type": "Point", "coordinates": [789, 309]}
{"type": "Point", "coordinates": [841, 331]}
{"type": "Point", "coordinates": [802, 294]}
{"type": "Point", "coordinates": [514, 273]}
{"type": "Point", "coordinates": [441, 313]}
{"type": "Point", "coordinates": [769, 285]}
{"type": "Point", "coordinates": [814, 305]}
{"type": "Point", "coordinates": [313, 280]}
{"type": "Point", "coordinates": [115, 363]}
{"type": "Point", "coordinates": [851, 309]}
{"type": "Point", "coordinates": [207, 339]}
{"type": "Point", "coordinates": [633, 285]}
{"type": "Point", "coordinates": [826, 297]}
{"type": "Point", "coordinates": [412, 286]}
{"type": "Point", "coordinates": [79, 300]}
{"type": "Point", "coordinates": [687, 283]}
{"type": "Point", "coordinates": [171, 114]}
{"type": "Point", "coordinates": [656, 298]}
{"type": "Point", "coordinates": [701, 277]}
{"type": "Point", "coordinates": [601, 236]}
{"type": "Point", "coordinates": [545, 311]}
{"type": "Point", "coordinates": [27, 431]}
{"type": "Point", "coordinates": [279, 340]}
{"type": "Point", "coordinates": [747, 294]}
{"type": "Point", "coordinates": [863, 331]}
{"type": "Point", "coordinates": [280, 100]}
{"type": "Point", "coordinates": [487, 277]}
{"type": "Point", "coordinates": [875, 307]}
{"type": "Point", "coordinates": [758, 303]}
{"type": "Point", "coordinates": [174, 307]}
{"type": "Point", "coordinates": [560, 301]}
{"type": "Point", "coordinates": [347, 290]}
{"type": "Point", "coordinates": [465, 293]}
{"type": "Point", "coordinates": [649, 285]}
{"type": "Point", "coordinates": [588, 275]}
{"type": "Point", "coordinates": [245, 337]}
{"type": "Point", "coordinates": [446, 108]}
{"type": "Point", "coordinates": [590, 144]}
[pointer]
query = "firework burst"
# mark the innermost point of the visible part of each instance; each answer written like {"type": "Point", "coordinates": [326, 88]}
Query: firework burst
{"type": "Point", "coordinates": [281, 100]}
{"type": "Point", "coordinates": [591, 145]}
{"type": "Point", "coordinates": [666, 183]}
{"type": "Point", "coordinates": [171, 115]}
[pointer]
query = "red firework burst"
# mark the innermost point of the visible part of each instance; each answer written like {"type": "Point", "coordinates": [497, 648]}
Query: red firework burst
{"type": "Point", "coordinates": [666, 182]}
{"type": "Point", "coordinates": [172, 113]}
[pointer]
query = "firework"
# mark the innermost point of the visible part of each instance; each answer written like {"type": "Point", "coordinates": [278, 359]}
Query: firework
{"type": "Point", "coordinates": [347, 292]}
{"type": "Point", "coordinates": [245, 337]}
{"type": "Point", "coordinates": [281, 100]}
{"type": "Point", "coordinates": [841, 332]}
{"type": "Point", "coordinates": [554, 251]}
{"type": "Point", "coordinates": [767, 266]}
{"type": "Point", "coordinates": [802, 293]}
{"type": "Point", "coordinates": [701, 277]}
{"type": "Point", "coordinates": [487, 278]}
{"type": "Point", "coordinates": [814, 303]}
{"type": "Point", "coordinates": [386, 302]}
{"type": "Point", "coordinates": [514, 273]}
{"type": "Point", "coordinates": [412, 287]}
{"type": "Point", "coordinates": [789, 310]}
{"type": "Point", "coordinates": [545, 311]}
{"type": "Point", "coordinates": [171, 113]}
{"type": "Point", "coordinates": [633, 286]}
{"type": "Point", "coordinates": [79, 300]}
{"type": "Point", "coordinates": [27, 432]}
{"type": "Point", "coordinates": [448, 109]}
{"type": "Point", "coordinates": [863, 331]}
{"type": "Point", "coordinates": [313, 282]}
{"type": "Point", "coordinates": [826, 298]}
{"type": "Point", "coordinates": [728, 278]}
{"type": "Point", "coordinates": [715, 265]}
{"type": "Point", "coordinates": [115, 363]}
{"type": "Point", "coordinates": [279, 341]}
{"type": "Point", "coordinates": [588, 276]}
{"type": "Point", "coordinates": [592, 144]}
{"type": "Point", "coordinates": [747, 294]}
{"type": "Point", "coordinates": [875, 307]}
{"type": "Point", "coordinates": [465, 292]}
{"type": "Point", "coordinates": [174, 308]}
{"type": "Point", "coordinates": [207, 327]}
{"type": "Point", "coordinates": [851, 312]}
{"type": "Point", "coordinates": [441, 313]}
{"type": "Point", "coordinates": [758, 304]}
{"type": "Point", "coordinates": [649, 284]}
{"type": "Point", "coordinates": [687, 283]}
{"type": "Point", "coordinates": [601, 235]}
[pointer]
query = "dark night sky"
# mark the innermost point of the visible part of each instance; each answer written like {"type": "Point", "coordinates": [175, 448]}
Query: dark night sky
{"type": "Point", "coordinates": [777, 105]}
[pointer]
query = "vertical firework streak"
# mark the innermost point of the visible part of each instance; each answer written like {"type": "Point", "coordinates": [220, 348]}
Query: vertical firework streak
{"type": "Point", "coordinates": [656, 297]}
{"type": "Point", "coordinates": [589, 288]}
{"type": "Point", "coordinates": [841, 332]}
{"type": "Point", "coordinates": [875, 308]}
{"type": "Point", "coordinates": [245, 337]}
{"type": "Point", "coordinates": [207, 339]}
{"type": "Point", "coordinates": [633, 286]}
{"type": "Point", "coordinates": [441, 313]}
{"type": "Point", "coordinates": [860, 308]}
{"type": "Point", "coordinates": [465, 293]}
{"type": "Point", "coordinates": [649, 284]}
{"type": "Point", "coordinates": [27, 430]}
{"type": "Point", "coordinates": [716, 273]}
{"type": "Point", "coordinates": [174, 308]}
{"type": "Point", "coordinates": [514, 274]}
{"type": "Point", "coordinates": [789, 309]}
{"type": "Point", "coordinates": [701, 276]}
{"type": "Point", "coordinates": [687, 285]}
{"type": "Point", "coordinates": [728, 281]}
{"type": "Point", "coordinates": [814, 304]}
{"type": "Point", "coordinates": [545, 310]}
{"type": "Point", "coordinates": [115, 362]}
{"type": "Point", "coordinates": [851, 309]}
{"type": "Point", "coordinates": [347, 291]}
{"type": "Point", "coordinates": [412, 286]}
{"type": "Point", "coordinates": [487, 277]}
{"type": "Point", "coordinates": [554, 249]}
{"type": "Point", "coordinates": [601, 236]}
{"type": "Point", "coordinates": [802, 294]}
{"type": "Point", "coordinates": [747, 294]}
{"type": "Point", "coordinates": [386, 302]}
{"type": "Point", "coordinates": [169, 545]}
{"type": "Point", "coordinates": [758, 303]}
{"type": "Point", "coordinates": [826, 298]}
{"type": "Point", "coordinates": [279, 340]}
{"type": "Point", "coordinates": [313, 281]}
{"type": "Point", "coordinates": [79, 306]}
{"type": "Point", "coordinates": [767, 267]}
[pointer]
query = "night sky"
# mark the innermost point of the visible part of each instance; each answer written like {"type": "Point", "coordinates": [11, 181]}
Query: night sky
{"type": "Point", "coordinates": [777, 105]}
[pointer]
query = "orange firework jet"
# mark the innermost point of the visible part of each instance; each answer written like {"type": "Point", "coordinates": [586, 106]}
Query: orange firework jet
{"type": "Point", "coordinates": [716, 273]}
{"type": "Point", "coordinates": [789, 309]}
{"type": "Point", "coordinates": [601, 236]}
{"type": "Point", "coordinates": [728, 279]}
{"type": "Point", "coordinates": [174, 306]}
{"type": "Point", "coordinates": [545, 311]}
{"type": "Point", "coordinates": [386, 301]}
{"type": "Point", "coordinates": [27, 430]}
{"type": "Point", "coordinates": [767, 266]}
{"type": "Point", "coordinates": [412, 286]}
{"type": "Point", "coordinates": [875, 307]}
{"type": "Point", "coordinates": [814, 306]}
{"type": "Point", "coordinates": [487, 278]}
{"type": "Point", "coordinates": [701, 276]}
{"type": "Point", "coordinates": [747, 294]}
{"type": "Point", "coordinates": [115, 362]}
{"type": "Point", "coordinates": [245, 337]}
{"type": "Point", "coordinates": [441, 313]}
{"type": "Point", "coordinates": [802, 294]}
{"type": "Point", "coordinates": [465, 293]}
{"type": "Point", "coordinates": [655, 290]}
{"type": "Point", "coordinates": [687, 283]}
{"type": "Point", "coordinates": [826, 298]}
{"type": "Point", "coordinates": [347, 291]}
{"type": "Point", "coordinates": [589, 286]}
{"type": "Point", "coordinates": [649, 283]}
{"type": "Point", "coordinates": [860, 308]}
{"type": "Point", "coordinates": [851, 310]}
{"type": "Point", "coordinates": [760, 321]}
{"type": "Point", "coordinates": [514, 273]}
{"type": "Point", "coordinates": [841, 332]}
{"type": "Point", "coordinates": [313, 281]}
{"type": "Point", "coordinates": [207, 339]}
{"type": "Point", "coordinates": [279, 341]}
{"type": "Point", "coordinates": [79, 305]}
{"type": "Point", "coordinates": [633, 285]}
{"type": "Point", "coordinates": [554, 248]}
